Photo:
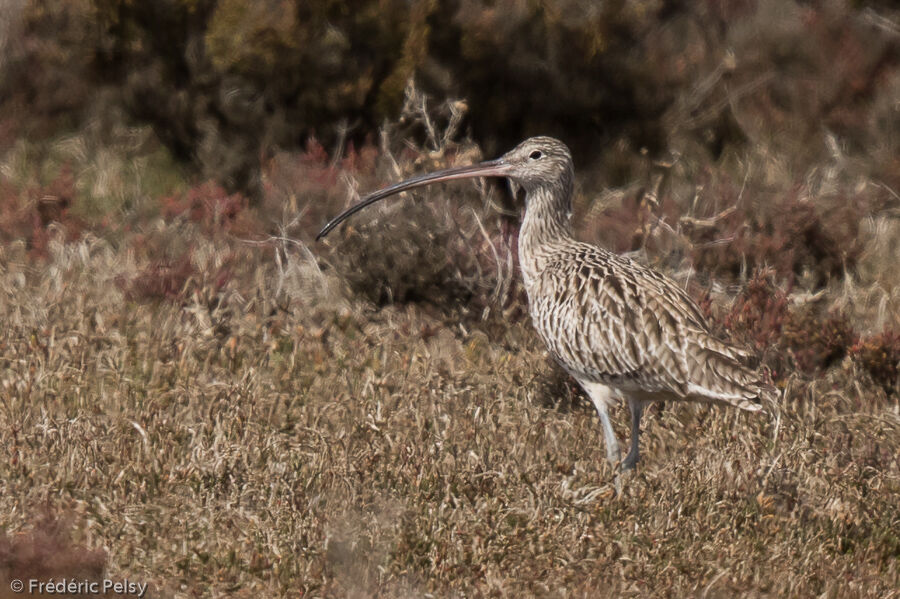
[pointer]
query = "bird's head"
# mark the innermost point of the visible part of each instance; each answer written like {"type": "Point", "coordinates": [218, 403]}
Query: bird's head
{"type": "Point", "coordinates": [536, 162]}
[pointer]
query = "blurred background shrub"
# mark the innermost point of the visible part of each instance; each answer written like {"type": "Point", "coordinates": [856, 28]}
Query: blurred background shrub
{"type": "Point", "coordinates": [224, 83]}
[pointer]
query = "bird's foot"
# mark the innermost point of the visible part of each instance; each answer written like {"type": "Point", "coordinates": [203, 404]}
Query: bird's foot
{"type": "Point", "coordinates": [630, 460]}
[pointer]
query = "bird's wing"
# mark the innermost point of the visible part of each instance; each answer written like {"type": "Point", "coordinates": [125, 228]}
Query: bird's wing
{"type": "Point", "coordinates": [609, 319]}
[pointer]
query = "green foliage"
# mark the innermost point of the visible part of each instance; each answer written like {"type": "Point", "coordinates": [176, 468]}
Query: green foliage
{"type": "Point", "coordinates": [222, 82]}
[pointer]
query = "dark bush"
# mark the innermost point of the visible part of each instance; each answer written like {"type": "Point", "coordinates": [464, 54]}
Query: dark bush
{"type": "Point", "coordinates": [759, 313]}
{"type": "Point", "coordinates": [817, 341]}
{"type": "Point", "coordinates": [807, 338]}
{"type": "Point", "coordinates": [789, 234]}
{"type": "Point", "coordinates": [225, 82]}
{"type": "Point", "coordinates": [879, 355]}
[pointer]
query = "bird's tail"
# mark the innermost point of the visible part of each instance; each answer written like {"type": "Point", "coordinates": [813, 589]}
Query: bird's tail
{"type": "Point", "coordinates": [728, 380]}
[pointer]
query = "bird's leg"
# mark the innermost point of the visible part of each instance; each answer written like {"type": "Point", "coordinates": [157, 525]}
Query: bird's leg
{"type": "Point", "coordinates": [613, 453]}
{"type": "Point", "coordinates": [637, 407]}
{"type": "Point", "coordinates": [601, 396]}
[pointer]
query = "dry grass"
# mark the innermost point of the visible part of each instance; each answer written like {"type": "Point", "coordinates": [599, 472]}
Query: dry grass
{"type": "Point", "coordinates": [222, 417]}
{"type": "Point", "coordinates": [267, 445]}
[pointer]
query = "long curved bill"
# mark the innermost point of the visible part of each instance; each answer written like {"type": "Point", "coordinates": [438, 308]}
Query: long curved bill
{"type": "Point", "coordinates": [491, 168]}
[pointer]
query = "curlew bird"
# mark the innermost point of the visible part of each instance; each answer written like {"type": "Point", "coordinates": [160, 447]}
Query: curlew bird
{"type": "Point", "coordinates": [622, 330]}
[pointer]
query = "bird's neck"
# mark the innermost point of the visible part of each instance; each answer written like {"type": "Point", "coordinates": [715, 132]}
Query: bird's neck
{"type": "Point", "coordinates": [544, 229]}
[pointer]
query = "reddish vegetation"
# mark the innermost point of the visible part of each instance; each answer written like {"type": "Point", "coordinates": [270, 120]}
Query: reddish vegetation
{"type": "Point", "coordinates": [30, 216]}
{"type": "Point", "coordinates": [804, 338]}
{"type": "Point", "coordinates": [790, 235]}
{"type": "Point", "coordinates": [212, 208]}
{"type": "Point", "coordinates": [817, 341]}
{"type": "Point", "coordinates": [8, 132]}
{"type": "Point", "coordinates": [759, 313]}
{"type": "Point", "coordinates": [177, 277]}
{"type": "Point", "coordinates": [310, 183]}
{"type": "Point", "coordinates": [162, 281]}
{"type": "Point", "coordinates": [630, 225]}
{"type": "Point", "coordinates": [12, 223]}
{"type": "Point", "coordinates": [880, 356]}
{"type": "Point", "coordinates": [46, 552]}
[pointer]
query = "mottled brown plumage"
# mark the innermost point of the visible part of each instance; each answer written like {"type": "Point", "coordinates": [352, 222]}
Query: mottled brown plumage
{"type": "Point", "coordinates": [619, 328]}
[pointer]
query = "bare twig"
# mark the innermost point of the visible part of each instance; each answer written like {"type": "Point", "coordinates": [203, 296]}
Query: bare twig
{"type": "Point", "coordinates": [706, 223]}
{"type": "Point", "coordinates": [495, 295]}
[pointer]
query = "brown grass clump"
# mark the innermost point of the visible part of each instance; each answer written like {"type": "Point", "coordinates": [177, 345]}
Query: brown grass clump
{"type": "Point", "coordinates": [879, 355]}
{"type": "Point", "coordinates": [435, 250]}
{"type": "Point", "coordinates": [817, 340]}
{"type": "Point", "coordinates": [209, 206]}
{"type": "Point", "coordinates": [445, 247]}
{"type": "Point", "coordinates": [401, 260]}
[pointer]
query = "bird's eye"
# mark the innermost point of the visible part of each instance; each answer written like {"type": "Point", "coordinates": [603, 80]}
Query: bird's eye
{"type": "Point", "coordinates": [535, 155]}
